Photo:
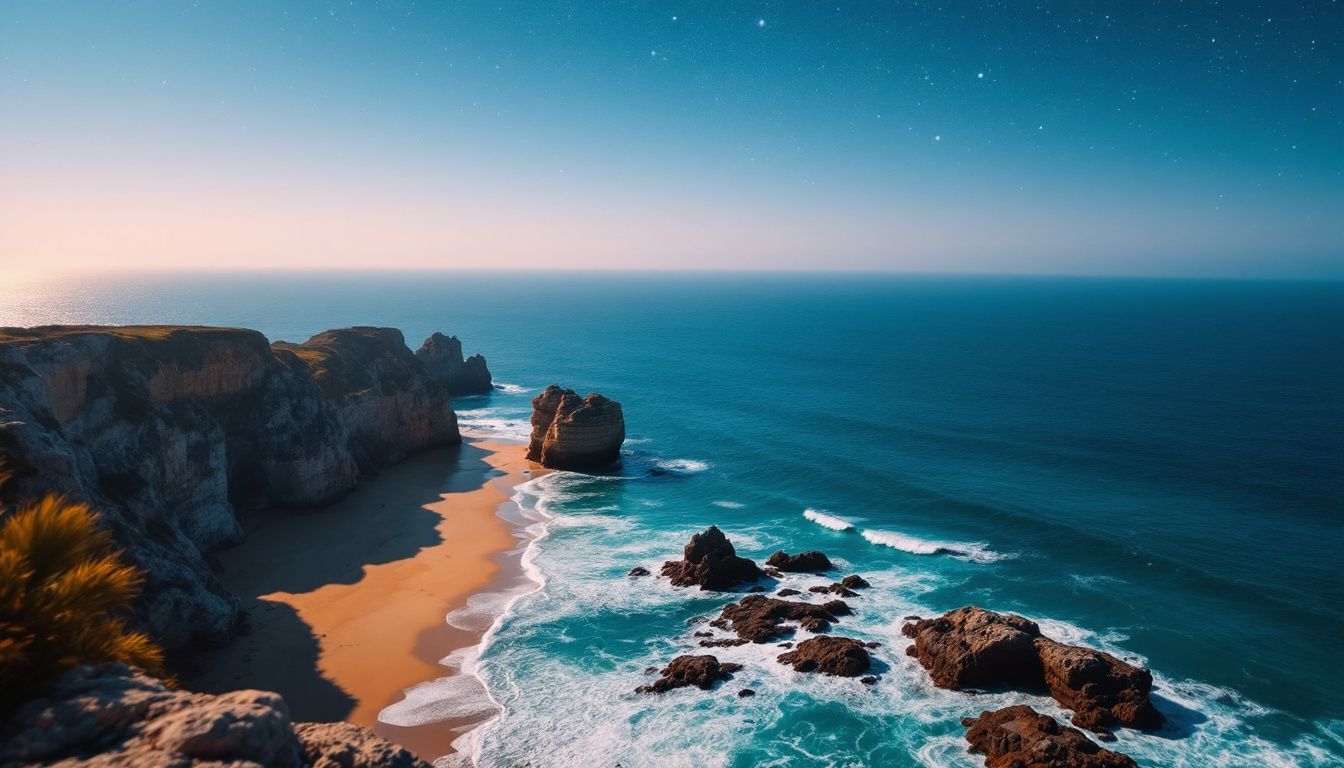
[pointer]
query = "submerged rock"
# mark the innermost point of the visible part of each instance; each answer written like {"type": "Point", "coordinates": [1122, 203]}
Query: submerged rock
{"type": "Point", "coordinates": [974, 648]}
{"type": "Point", "coordinates": [704, 672]}
{"type": "Point", "coordinates": [803, 562]}
{"type": "Point", "coordinates": [761, 619]}
{"type": "Point", "coordinates": [1021, 737]}
{"type": "Point", "coordinates": [570, 432]}
{"type": "Point", "coordinates": [111, 716]}
{"type": "Point", "coordinates": [837, 656]}
{"type": "Point", "coordinates": [638, 571]}
{"type": "Point", "coordinates": [442, 357]}
{"type": "Point", "coordinates": [710, 561]}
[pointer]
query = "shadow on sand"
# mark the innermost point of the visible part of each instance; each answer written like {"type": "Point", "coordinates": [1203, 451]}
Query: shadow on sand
{"type": "Point", "coordinates": [383, 521]}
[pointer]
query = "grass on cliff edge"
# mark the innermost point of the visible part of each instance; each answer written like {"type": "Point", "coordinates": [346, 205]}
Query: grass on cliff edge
{"type": "Point", "coordinates": [65, 595]}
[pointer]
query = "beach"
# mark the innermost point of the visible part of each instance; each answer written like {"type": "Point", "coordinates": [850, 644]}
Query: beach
{"type": "Point", "coordinates": [347, 604]}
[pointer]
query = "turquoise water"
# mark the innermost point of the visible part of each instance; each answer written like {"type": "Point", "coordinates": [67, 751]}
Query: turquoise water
{"type": "Point", "coordinates": [1152, 467]}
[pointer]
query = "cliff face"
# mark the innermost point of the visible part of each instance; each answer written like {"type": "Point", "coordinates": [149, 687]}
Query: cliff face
{"type": "Point", "coordinates": [442, 356]}
{"type": "Point", "coordinates": [572, 432]}
{"type": "Point", "coordinates": [166, 430]}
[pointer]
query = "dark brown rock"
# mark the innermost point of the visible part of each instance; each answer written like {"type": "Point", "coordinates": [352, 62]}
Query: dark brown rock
{"type": "Point", "coordinates": [803, 562]}
{"type": "Point", "coordinates": [638, 570]}
{"type": "Point", "coordinates": [975, 648]}
{"type": "Point", "coordinates": [704, 672]}
{"type": "Point", "coordinates": [761, 619]}
{"type": "Point", "coordinates": [1021, 737]}
{"type": "Point", "coordinates": [757, 588]}
{"type": "Point", "coordinates": [868, 680]}
{"type": "Point", "coordinates": [442, 357]}
{"type": "Point", "coordinates": [837, 656]}
{"type": "Point", "coordinates": [710, 561]}
{"type": "Point", "coordinates": [727, 642]}
{"type": "Point", "coordinates": [570, 432]}
{"type": "Point", "coordinates": [1100, 689]}
{"type": "Point", "coordinates": [854, 581]}
{"type": "Point", "coordinates": [786, 592]}
{"type": "Point", "coordinates": [745, 693]}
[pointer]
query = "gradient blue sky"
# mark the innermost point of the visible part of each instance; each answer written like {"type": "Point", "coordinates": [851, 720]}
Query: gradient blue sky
{"type": "Point", "coordinates": [1092, 138]}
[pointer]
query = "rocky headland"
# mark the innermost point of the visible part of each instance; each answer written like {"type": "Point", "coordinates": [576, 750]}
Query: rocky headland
{"type": "Point", "coordinates": [110, 716]}
{"type": "Point", "coordinates": [575, 433]}
{"type": "Point", "coordinates": [171, 431]}
{"type": "Point", "coordinates": [442, 357]}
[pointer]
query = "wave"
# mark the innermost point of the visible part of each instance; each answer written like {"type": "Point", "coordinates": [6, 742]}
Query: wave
{"type": "Point", "coordinates": [828, 521]}
{"type": "Point", "coordinates": [683, 466]}
{"type": "Point", "coordinates": [729, 504]}
{"type": "Point", "coordinates": [975, 552]}
{"type": "Point", "coordinates": [511, 389]}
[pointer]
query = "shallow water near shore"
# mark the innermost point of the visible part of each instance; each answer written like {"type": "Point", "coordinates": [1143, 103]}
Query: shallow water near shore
{"type": "Point", "coordinates": [1152, 467]}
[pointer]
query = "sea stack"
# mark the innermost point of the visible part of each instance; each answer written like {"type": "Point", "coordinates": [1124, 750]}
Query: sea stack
{"type": "Point", "coordinates": [577, 433]}
{"type": "Point", "coordinates": [442, 357]}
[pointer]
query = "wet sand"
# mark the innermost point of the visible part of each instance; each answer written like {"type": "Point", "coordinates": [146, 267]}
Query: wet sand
{"type": "Point", "coordinates": [347, 603]}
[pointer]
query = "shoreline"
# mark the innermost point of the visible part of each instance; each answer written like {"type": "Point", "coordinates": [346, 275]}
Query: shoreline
{"type": "Point", "coordinates": [356, 606]}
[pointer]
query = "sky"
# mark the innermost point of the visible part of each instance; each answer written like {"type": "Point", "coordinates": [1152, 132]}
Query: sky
{"type": "Point", "coordinates": [1167, 138]}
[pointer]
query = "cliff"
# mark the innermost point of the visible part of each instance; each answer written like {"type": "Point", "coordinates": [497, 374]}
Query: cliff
{"type": "Point", "coordinates": [110, 715]}
{"type": "Point", "coordinates": [572, 432]}
{"type": "Point", "coordinates": [169, 430]}
{"type": "Point", "coordinates": [442, 356]}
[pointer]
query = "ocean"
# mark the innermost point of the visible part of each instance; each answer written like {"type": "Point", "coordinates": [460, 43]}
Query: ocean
{"type": "Point", "coordinates": [1153, 467]}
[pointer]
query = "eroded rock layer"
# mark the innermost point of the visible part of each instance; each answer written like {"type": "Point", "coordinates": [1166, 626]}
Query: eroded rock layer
{"type": "Point", "coordinates": [577, 433]}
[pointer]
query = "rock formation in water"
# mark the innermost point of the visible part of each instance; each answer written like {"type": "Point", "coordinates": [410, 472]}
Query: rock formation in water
{"type": "Point", "coordinates": [167, 430]}
{"type": "Point", "coordinates": [803, 562]}
{"type": "Point", "coordinates": [836, 656]}
{"type": "Point", "coordinates": [1021, 737]}
{"type": "Point", "coordinates": [762, 619]}
{"type": "Point", "coordinates": [974, 648]}
{"type": "Point", "coordinates": [704, 672]}
{"type": "Point", "coordinates": [572, 432]}
{"type": "Point", "coordinates": [442, 357]}
{"type": "Point", "coordinates": [710, 561]}
{"type": "Point", "coordinates": [110, 716]}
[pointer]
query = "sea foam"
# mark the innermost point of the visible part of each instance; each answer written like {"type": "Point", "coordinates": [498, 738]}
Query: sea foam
{"type": "Point", "coordinates": [975, 552]}
{"type": "Point", "coordinates": [828, 521]}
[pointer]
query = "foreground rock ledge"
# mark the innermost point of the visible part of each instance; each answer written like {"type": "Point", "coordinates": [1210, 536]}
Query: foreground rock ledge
{"type": "Point", "coordinates": [110, 715]}
{"type": "Point", "coordinates": [570, 432]}
{"type": "Point", "coordinates": [1021, 737]}
{"type": "Point", "coordinates": [710, 561]}
{"type": "Point", "coordinates": [974, 648]}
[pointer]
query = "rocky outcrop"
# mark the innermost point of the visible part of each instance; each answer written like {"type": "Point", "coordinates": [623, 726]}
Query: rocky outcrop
{"type": "Point", "coordinates": [811, 561]}
{"type": "Point", "coordinates": [1021, 737]}
{"type": "Point", "coordinates": [111, 716]}
{"type": "Point", "coordinates": [168, 430]}
{"type": "Point", "coordinates": [577, 433]}
{"type": "Point", "coordinates": [381, 392]}
{"type": "Point", "coordinates": [710, 561]}
{"type": "Point", "coordinates": [442, 357]}
{"type": "Point", "coordinates": [704, 672]}
{"type": "Point", "coordinates": [836, 656]}
{"type": "Point", "coordinates": [762, 619]}
{"type": "Point", "coordinates": [974, 648]}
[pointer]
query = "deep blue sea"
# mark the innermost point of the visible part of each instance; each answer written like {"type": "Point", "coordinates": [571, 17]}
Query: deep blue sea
{"type": "Point", "coordinates": [1152, 467]}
